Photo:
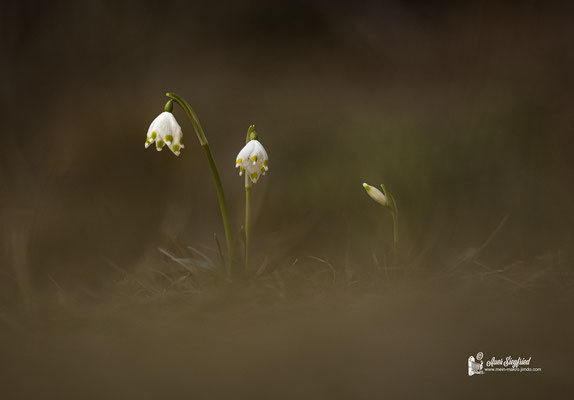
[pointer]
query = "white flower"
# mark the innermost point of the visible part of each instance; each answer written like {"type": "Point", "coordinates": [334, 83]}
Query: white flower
{"type": "Point", "coordinates": [165, 130]}
{"type": "Point", "coordinates": [376, 195]}
{"type": "Point", "coordinates": [252, 160]}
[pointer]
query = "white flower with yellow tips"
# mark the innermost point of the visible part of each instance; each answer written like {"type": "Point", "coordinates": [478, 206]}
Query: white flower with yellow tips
{"type": "Point", "coordinates": [253, 160]}
{"type": "Point", "coordinates": [164, 130]}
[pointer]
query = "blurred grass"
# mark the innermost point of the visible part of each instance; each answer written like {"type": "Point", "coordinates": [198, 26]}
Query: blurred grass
{"type": "Point", "coordinates": [306, 330]}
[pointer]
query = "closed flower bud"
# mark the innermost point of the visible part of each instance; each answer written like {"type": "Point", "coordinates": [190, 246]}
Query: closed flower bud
{"type": "Point", "coordinates": [376, 195]}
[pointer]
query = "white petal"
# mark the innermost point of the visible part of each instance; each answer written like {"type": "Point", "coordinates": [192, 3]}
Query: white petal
{"type": "Point", "coordinates": [161, 122]}
{"type": "Point", "coordinates": [254, 176]}
{"type": "Point", "coordinates": [245, 153]}
{"type": "Point", "coordinates": [250, 170]}
{"type": "Point", "coordinates": [175, 146]}
{"type": "Point", "coordinates": [259, 150]}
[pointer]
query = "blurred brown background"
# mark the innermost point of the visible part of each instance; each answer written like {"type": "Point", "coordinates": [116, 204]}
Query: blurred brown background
{"type": "Point", "coordinates": [463, 109]}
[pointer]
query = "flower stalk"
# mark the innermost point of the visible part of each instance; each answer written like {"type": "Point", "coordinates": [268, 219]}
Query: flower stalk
{"type": "Point", "coordinates": [215, 173]}
{"type": "Point", "coordinates": [250, 132]}
{"type": "Point", "coordinates": [387, 200]}
{"type": "Point", "coordinates": [253, 161]}
{"type": "Point", "coordinates": [247, 220]}
{"type": "Point", "coordinates": [395, 213]}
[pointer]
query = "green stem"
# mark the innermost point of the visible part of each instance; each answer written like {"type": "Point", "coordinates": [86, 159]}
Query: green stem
{"type": "Point", "coordinates": [217, 180]}
{"type": "Point", "coordinates": [247, 220]}
{"type": "Point", "coordinates": [392, 204]}
{"type": "Point", "coordinates": [248, 205]}
{"type": "Point", "coordinates": [192, 116]}
{"type": "Point", "coordinates": [395, 235]}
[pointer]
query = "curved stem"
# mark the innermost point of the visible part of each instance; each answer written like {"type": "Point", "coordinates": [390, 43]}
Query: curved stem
{"type": "Point", "coordinates": [192, 116]}
{"type": "Point", "coordinates": [216, 178]}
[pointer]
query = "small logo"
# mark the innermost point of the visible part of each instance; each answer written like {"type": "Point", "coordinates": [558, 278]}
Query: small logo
{"type": "Point", "coordinates": [474, 367]}
{"type": "Point", "coordinates": [494, 364]}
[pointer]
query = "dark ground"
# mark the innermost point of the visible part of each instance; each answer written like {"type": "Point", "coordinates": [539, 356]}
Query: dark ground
{"type": "Point", "coordinates": [406, 341]}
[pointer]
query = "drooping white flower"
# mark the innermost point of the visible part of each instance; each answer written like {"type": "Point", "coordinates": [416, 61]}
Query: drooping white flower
{"type": "Point", "coordinates": [165, 130]}
{"type": "Point", "coordinates": [376, 195]}
{"type": "Point", "coordinates": [253, 160]}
